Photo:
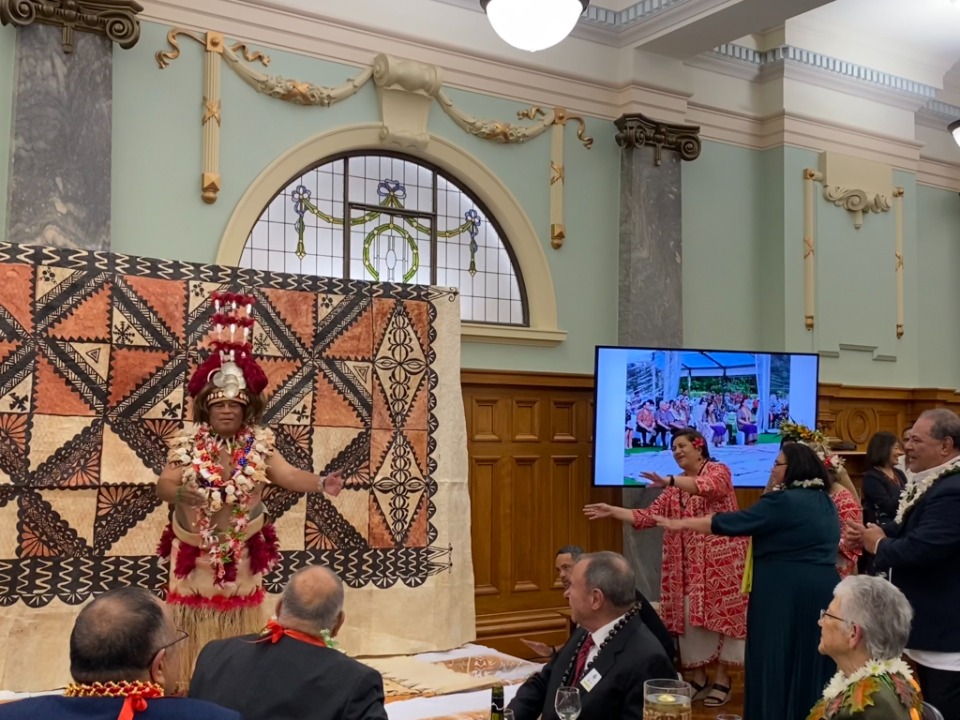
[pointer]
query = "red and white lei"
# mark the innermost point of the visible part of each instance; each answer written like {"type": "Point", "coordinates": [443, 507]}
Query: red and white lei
{"type": "Point", "coordinates": [199, 453]}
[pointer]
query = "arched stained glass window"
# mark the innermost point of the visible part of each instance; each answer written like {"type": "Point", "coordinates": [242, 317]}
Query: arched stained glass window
{"type": "Point", "coordinates": [390, 218]}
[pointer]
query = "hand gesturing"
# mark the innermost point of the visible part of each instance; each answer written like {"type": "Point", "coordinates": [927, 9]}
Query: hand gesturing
{"type": "Point", "coordinates": [332, 484]}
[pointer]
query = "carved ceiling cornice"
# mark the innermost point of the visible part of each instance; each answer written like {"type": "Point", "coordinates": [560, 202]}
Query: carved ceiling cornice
{"type": "Point", "coordinates": [117, 19]}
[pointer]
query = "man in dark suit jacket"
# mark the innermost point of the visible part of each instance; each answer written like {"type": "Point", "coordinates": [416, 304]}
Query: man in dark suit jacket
{"type": "Point", "coordinates": [290, 672]}
{"type": "Point", "coordinates": [566, 558]}
{"type": "Point", "coordinates": [921, 551]}
{"type": "Point", "coordinates": [610, 655]}
{"type": "Point", "coordinates": [123, 643]}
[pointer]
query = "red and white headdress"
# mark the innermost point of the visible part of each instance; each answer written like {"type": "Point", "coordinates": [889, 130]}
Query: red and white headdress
{"type": "Point", "coordinates": [230, 367]}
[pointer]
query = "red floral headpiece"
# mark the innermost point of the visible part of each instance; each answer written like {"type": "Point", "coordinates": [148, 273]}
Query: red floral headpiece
{"type": "Point", "coordinates": [698, 443]}
{"type": "Point", "coordinates": [230, 367]}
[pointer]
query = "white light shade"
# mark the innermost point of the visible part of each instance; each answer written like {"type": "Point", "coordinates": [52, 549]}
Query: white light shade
{"type": "Point", "coordinates": [534, 24]}
{"type": "Point", "coordinates": [954, 129]}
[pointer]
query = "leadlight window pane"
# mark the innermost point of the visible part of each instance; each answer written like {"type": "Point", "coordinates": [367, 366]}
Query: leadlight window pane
{"type": "Point", "coordinates": [405, 223]}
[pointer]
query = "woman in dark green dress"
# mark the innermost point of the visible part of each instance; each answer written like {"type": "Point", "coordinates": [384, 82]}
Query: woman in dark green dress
{"type": "Point", "coordinates": [795, 530]}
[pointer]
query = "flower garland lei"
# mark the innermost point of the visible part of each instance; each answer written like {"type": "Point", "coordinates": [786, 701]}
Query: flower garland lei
{"type": "Point", "coordinates": [919, 485]}
{"type": "Point", "coordinates": [843, 691]}
{"type": "Point", "coordinates": [815, 483]}
{"type": "Point", "coordinates": [200, 454]}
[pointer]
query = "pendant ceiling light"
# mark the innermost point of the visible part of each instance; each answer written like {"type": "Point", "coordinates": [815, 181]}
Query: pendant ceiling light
{"type": "Point", "coordinates": [533, 24]}
{"type": "Point", "coordinates": [954, 129]}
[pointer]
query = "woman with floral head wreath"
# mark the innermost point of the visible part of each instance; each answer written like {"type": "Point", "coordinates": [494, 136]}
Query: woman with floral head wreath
{"type": "Point", "coordinates": [700, 598]}
{"type": "Point", "coordinates": [844, 494]}
{"type": "Point", "coordinates": [795, 531]}
{"type": "Point", "coordinates": [220, 542]}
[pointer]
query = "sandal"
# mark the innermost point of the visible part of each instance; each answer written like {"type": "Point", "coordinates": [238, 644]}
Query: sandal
{"type": "Point", "coordinates": [700, 691]}
{"type": "Point", "coordinates": [719, 695]}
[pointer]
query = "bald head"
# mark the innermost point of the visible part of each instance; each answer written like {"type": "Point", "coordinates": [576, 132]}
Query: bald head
{"type": "Point", "coordinates": [117, 635]}
{"type": "Point", "coordinates": [312, 600]}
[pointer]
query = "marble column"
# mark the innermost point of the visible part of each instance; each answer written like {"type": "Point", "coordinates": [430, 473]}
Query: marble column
{"type": "Point", "coordinates": [650, 302]}
{"type": "Point", "coordinates": [59, 186]}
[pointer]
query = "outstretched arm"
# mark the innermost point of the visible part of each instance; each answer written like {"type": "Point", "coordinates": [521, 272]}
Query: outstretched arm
{"type": "Point", "coordinates": [282, 473]}
{"type": "Point", "coordinates": [171, 488]}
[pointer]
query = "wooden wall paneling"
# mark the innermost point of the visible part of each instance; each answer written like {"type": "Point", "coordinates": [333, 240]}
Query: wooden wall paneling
{"type": "Point", "coordinates": [486, 505]}
{"type": "Point", "coordinates": [527, 524]}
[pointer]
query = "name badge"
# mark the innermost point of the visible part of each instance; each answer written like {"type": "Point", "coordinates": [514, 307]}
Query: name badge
{"type": "Point", "coordinates": [590, 680]}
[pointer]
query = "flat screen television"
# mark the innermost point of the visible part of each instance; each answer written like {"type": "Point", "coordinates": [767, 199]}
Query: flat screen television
{"type": "Point", "coordinates": [736, 399]}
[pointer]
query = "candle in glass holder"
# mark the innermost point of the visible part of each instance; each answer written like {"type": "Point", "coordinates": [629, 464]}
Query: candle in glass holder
{"type": "Point", "coordinates": [667, 700]}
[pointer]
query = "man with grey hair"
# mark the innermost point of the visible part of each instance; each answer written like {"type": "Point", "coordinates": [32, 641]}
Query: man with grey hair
{"type": "Point", "coordinates": [292, 670]}
{"type": "Point", "coordinates": [564, 561]}
{"type": "Point", "coordinates": [608, 657]}
{"type": "Point", "coordinates": [865, 629]}
{"type": "Point", "coordinates": [921, 552]}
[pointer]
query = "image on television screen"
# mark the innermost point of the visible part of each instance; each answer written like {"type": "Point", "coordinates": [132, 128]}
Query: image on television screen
{"type": "Point", "coordinates": [736, 400]}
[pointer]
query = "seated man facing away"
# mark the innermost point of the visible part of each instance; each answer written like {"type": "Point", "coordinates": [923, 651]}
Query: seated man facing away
{"type": "Point", "coordinates": [609, 656]}
{"type": "Point", "coordinates": [290, 671]}
{"type": "Point", "coordinates": [865, 630]}
{"type": "Point", "coordinates": [123, 655]}
{"type": "Point", "coordinates": [566, 558]}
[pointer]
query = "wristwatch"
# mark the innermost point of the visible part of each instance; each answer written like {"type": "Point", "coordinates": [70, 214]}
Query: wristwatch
{"type": "Point", "coordinates": [673, 481]}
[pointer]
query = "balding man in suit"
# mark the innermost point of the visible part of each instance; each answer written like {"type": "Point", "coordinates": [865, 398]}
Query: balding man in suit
{"type": "Point", "coordinates": [290, 671]}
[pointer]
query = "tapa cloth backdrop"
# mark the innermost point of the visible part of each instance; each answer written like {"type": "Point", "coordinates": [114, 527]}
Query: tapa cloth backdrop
{"type": "Point", "coordinates": [95, 352]}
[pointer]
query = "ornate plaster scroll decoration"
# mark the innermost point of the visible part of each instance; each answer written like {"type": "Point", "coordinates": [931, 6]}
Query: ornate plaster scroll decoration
{"type": "Point", "coordinates": [898, 256]}
{"type": "Point", "coordinates": [210, 121]}
{"type": "Point", "coordinates": [295, 91]}
{"type": "Point", "coordinates": [809, 246]}
{"type": "Point", "coordinates": [494, 130]}
{"type": "Point", "coordinates": [558, 174]}
{"type": "Point", "coordinates": [236, 55]}
{"type": "Point", "coordinates": [637, 130]}
{"type": "Point", "coordinates": [856, 201]}
{"type": "Point", "coordinates": [117, 19]}
{"type": "Point", "coordinates": [406, 90]}
{"type": "Point", "coordinates": [210, 179]}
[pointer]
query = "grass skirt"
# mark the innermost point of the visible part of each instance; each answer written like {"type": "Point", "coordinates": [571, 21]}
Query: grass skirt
{"type": "Point", "coordinates": [208, 611]}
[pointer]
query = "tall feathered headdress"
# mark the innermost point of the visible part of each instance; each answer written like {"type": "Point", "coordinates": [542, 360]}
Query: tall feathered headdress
{"type": "Point", "coordinates": [230, 367]}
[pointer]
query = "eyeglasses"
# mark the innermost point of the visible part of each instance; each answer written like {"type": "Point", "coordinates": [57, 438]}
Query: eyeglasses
{"type": "Point", "coordinates": [824, 613]}
{"type": "Point", "coordinates": [181, 636]}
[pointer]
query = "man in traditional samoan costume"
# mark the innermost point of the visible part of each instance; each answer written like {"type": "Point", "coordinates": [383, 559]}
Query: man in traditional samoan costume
{"type": "Point", "coordinates": [220, 541]}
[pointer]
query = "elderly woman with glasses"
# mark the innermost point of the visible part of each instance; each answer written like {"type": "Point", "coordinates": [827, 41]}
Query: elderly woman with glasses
{"type": "Point", "coordinates": [864, 630]}
{"type": "Point", "coordinates": [795, 530]}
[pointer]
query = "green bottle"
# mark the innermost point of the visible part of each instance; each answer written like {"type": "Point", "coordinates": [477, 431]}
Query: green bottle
{"type": "Point", "coordinates": [496, 703]}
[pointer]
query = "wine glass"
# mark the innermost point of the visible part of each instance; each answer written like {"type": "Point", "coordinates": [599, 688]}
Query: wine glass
{"type": "Point", "coordinates": [567, 703]}
{"type": "Point", "coordinates": [508, 714]}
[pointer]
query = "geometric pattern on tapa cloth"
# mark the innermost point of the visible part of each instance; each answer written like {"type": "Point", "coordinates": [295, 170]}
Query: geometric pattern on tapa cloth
{"type": "Point", "coordinates": [95, 352]}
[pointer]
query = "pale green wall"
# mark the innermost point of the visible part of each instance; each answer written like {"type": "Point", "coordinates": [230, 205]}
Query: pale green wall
{"type": "Point", "coordinates": [157, 210]}
{"type": "Point", "coordinates": [938, 265]}
{"type": "Point", "coordinates": [856, 294]}
{"type": "Point", "coordinates": [742, 216]}
{"type": "Point", "coordinates": [8, 37]}
{"type": "Point", "coordinates": [772, 252]}
{"type": "Point", "coordinates": [722, 298]}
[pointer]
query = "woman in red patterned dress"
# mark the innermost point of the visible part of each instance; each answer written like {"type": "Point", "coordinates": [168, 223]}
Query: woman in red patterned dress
{"type": "Point", "coordinates": [700, 597]}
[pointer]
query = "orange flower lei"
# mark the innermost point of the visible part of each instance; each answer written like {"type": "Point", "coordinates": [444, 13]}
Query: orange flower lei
{"type": "Point", "coordinates": [855, 693]}
{"type": "Point", "coordinates": [136, 693]}
{"type": "Point", "coordinates": [235, 490]}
